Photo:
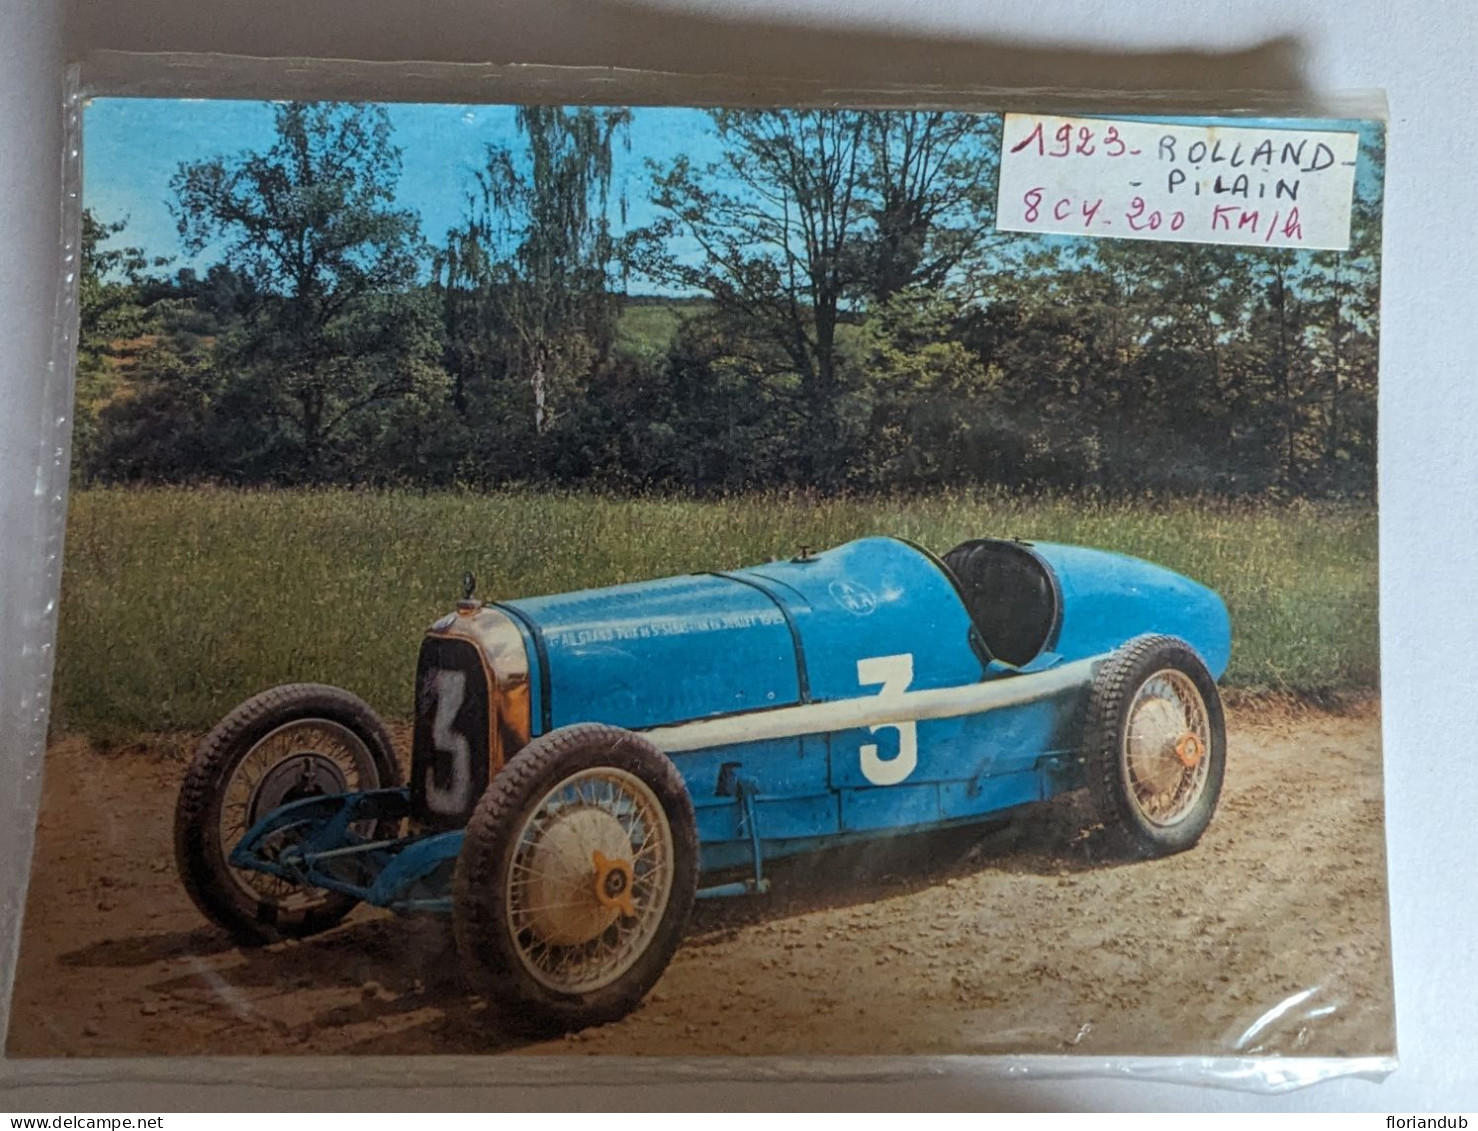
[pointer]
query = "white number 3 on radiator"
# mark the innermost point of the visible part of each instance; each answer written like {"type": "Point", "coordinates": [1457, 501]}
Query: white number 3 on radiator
{"type": "Point", "coordinates": [453, 751]}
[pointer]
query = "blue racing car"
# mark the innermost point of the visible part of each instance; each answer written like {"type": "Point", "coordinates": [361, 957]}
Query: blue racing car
{"type": "Point", "coordinates": [584, 765]}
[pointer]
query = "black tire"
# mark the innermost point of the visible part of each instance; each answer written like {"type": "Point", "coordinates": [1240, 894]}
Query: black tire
{"type": "Point", "coordinates": [501, 959]}
{"type": "Point", "coordinates": [1120, 799]}
{"type": "Point", "coordinates": [227, 896]}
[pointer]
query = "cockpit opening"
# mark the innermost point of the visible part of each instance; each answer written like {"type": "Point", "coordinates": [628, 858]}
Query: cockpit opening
{"type": "Point", "coordinates": [1010, 594]}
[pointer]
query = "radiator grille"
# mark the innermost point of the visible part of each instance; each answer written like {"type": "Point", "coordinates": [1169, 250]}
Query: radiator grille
{"type": "Point", "coordinates": [449, 759]}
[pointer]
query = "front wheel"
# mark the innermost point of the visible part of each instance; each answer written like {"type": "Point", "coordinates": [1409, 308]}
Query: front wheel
{"type": "Point", "coordinates": [576, 878]}
{"type": "Point", "coordinates": [1154, 747]}
{"type": "Point", "coordinates": [293, 742]}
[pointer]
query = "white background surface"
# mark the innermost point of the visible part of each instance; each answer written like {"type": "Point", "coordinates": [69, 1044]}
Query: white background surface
{"type": "Point", "coordinates": [1423, 56]}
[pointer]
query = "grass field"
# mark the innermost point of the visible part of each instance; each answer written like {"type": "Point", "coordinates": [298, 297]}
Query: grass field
{"type": "Point", "coordinates": [176, 603]}
{"type": "Point", "coordinates": [648, 327]}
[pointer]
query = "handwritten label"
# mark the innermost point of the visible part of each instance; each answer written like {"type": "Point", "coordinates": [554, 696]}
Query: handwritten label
{"type": "Point", "coordinates": [1192, 184]}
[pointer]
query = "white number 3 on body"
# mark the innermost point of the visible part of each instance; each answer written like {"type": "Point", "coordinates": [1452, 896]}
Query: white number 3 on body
{"type": "Point", "coordinates": [895, 673]}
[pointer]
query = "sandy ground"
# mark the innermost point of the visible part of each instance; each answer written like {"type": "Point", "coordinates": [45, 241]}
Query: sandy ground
{"type": "Point", "coordinates": [1269, 937]}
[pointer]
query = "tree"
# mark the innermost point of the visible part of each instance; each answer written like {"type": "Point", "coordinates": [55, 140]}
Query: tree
{"type": "Point", "coordinates": [928, 393]}
{"type": "Point", "coordinates": [337, 332]}
{"type": "Point", "coordinates": [811, 216]}
{"type": "Point", "coordinates": [526, 284]}
{"type": "Point", "coordinates": [779, 224]}
{"type": "Point", "coordinates": [116, 304]}
{"type": "Point", "coordinates": [930, 179]}
{"type": "Point", "coordinates": [1343, 293]}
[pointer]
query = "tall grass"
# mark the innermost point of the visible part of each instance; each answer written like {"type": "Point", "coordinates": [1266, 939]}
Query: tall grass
{"type": "Point", "coordinates": [178, 603]}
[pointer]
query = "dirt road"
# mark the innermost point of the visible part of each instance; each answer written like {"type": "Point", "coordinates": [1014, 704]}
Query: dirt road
{"type": "Point", "coordinates": [1012, 941]}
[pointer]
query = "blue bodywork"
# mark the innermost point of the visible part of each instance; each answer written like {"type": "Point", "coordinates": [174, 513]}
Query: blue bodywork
{"type": "Point", "coordinates": [803, 653]}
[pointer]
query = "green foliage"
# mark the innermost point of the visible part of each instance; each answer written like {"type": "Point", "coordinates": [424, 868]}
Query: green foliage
{"type": "Point", "coordinates": [839, 313]}
{"type": "Point", "coordinates": [177, 603]}
{"type": "Point", "coordinates": [336, 332]}
{"type": "Point", "coordinates": [927, 393]}
{"type": "Point", "coordinates": [647, 327]}
{"type": "Point", "coordinates": [525, 289]}
{"type": "Point", "coordinates": [810, 216]}
{"type": "Point", "coordinates": [117, 305]}
{"type": "Point", "coordinates": [930, 184]}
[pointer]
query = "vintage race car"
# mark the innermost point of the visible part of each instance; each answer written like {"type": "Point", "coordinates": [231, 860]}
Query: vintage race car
{"type": "Point", "coordinates": [584, 765]}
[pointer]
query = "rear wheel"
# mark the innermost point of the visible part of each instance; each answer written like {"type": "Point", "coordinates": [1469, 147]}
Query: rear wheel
{"type": "Point", "coordinates": [576, 878]}
{"type": "Point", "coordinates": [287, 744]}
{"type": "Point", "coordinates": [1155, 747]}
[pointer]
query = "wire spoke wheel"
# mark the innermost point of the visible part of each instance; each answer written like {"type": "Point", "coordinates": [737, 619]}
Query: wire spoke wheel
{"type": "Point", "coordinates": [590, 879]}
{"type": "Point", "coordinates": [290, 743]}
{"type": "Point", "coordinates": [1154, 747]}
{"type": "Point", "coordinates": [1165, 747]}
{"type": "Point", "coordinates": [298, 760]}
{"type": "Point", "coordinates": [576, 878]}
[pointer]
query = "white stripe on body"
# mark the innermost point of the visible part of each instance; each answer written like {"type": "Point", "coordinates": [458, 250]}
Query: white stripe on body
{"type": "Point", "coordinates": [873, 710]}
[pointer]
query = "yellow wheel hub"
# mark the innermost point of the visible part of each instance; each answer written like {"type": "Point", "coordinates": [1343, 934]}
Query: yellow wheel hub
{"type": "Point", "coordinates": [563, 886]}
{"type": "Point", "coordinates": [1190, 750]}
{"type": "Point", "coordinates": [613, 879]}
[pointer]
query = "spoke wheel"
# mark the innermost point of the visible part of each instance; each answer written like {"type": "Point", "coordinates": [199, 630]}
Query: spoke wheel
{"type": "Point", "coordinates": [590, 879]}
{"type": "Point", "coordinates": [300, 759]}
{"type": "Point", "coordinates": [287, 744]}
{"type": "Point", "coordinates": [1165, 746]}
{"type": "Point", "coordinates": [576, 878]}
{"type": "Point", "coordinates": [1154, 747]}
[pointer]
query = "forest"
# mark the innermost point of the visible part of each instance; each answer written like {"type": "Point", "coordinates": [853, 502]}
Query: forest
{"type": "Point", "coordinates": [825, 305]}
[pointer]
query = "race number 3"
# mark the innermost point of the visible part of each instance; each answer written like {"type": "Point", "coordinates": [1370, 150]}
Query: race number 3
{"type": "Point", "coordinates": [450, 688]}
{"type": "Point", "coordinates": [894, 673]}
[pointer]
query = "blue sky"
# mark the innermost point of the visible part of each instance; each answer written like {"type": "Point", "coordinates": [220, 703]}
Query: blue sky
{"type": "Point", "coordinates": [132, 147]}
